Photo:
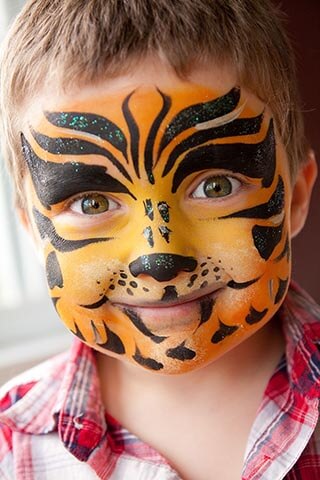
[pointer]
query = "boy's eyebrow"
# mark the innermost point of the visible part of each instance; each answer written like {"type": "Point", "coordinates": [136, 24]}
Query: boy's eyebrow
{"type": "Point", "coordinates": [198, 113]}
{"type": "Point", "coordinates": [238, 127]}
{"type": "Point", "coordinates": [76, 146]}
{"type": "Point", "coordinates": [253, 160]}
{"type": "Point", "coordinates": [55, 182]}
{"type": "Point", "coordinates": [91, 123]}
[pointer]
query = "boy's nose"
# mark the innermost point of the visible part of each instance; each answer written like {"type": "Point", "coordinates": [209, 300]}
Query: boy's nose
{"type": "Point", "coordinates": [162, 266]}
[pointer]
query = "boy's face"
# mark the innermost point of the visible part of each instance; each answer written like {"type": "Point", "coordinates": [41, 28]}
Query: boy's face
{"type": "Point", "coordinates": [162, 207]}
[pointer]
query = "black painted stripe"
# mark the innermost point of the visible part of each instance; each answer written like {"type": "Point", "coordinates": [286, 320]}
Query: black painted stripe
{"type": "Point", "coordinates": [146, 362]}
{"type": "Point", "coordinates": [257, 160]}
{"type": "Point", "coordinates": [254, 316]}
{"type": "Point", "coordinates": [199, 113]}
{"type": "Point", "coordinates": [47, 230]}
{"type": "Point", "coordinates": [285, 252]}
{"type": "Point", "coordinates": [113, 344]}
{"type": "Point", "coordinates": [75, 146]}
{"type": "Point", "coordinates": [266, 239]}
{"type": "Point", "coordinates": [206, 307]}
{"type": "Point", "coordinates": [98, 304]}
{"type": "Point", "coordinates": [134, 133]}
{"type": "Point", "coordinates": [55, 301]}
{"type": "Point", "coordinates": [138, 323]}
{"type": "Point", "coordinates": [223, 332]}
{"type": "Point", "coordinates": [148, 235]}
{"type": "Point", "coordinates": [240, 286]}
{"type": "Point", "coordinates": [149, 148]}
{"type": "Point", "coordinates": [181, 352]}
{"type": "Point", "coordinates": [169, 293]}
{"type": "Point", "coordinates": [281, 290]}
{"type": "Point", "coordinates": [238, 127]}
{"type": "Point", "coordinates": [273, 207]}
{"type": "Point", "coordinates": [165, 233]}
{"type": "Point", "coordinates": [164, 211]}
{"type": "Point", "coordinates": [78, 332]}
{"type": "Point", "coordinates": [55, 182]}
{"type": "Point", "coordinates": [90, 123]}
{"type": "Point", "coordinates": [148, 208]}
{"type": "Point", "coordinates": [53, 271]}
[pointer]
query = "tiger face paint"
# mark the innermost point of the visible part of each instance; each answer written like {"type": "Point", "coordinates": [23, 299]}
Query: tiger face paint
{"type": "Point", "coordinates": [163, 215]}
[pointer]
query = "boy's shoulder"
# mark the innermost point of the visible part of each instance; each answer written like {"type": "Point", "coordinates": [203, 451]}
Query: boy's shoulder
{"type": "Point", "coordinates": [27, 378]}
{"type": "Point", "coordinates": [19, 407]}
{"type": "Point", "coordinates": [16, 388]}
{"type": "Point", "coordinates": [29, 395]}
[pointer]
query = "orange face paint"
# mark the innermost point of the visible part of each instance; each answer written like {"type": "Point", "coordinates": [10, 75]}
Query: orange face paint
{"type": "Point", "coordinates": [164, 220]}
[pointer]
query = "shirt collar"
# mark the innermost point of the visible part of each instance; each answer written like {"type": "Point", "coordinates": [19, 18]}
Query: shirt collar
{"type": "Point", "coordinates": [300, 318]}
{"type": "Point", "coordinates": [66, 399]}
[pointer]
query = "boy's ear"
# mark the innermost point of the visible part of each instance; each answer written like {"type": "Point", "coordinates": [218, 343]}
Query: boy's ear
{"type": "Point", "coordinates": [301, 193]}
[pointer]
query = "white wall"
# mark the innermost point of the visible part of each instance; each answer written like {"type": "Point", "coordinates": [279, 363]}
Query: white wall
{"type": "Point", "coordinates": [30, 330]}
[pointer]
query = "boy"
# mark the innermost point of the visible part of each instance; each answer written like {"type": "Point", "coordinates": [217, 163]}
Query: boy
{"type": "Point", "coordinates": [160, 165]}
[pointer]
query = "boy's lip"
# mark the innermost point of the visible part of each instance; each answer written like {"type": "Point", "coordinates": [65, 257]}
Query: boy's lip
{"type": "Point", "coordinates": [169, 304]}
{"type": "Point", "coordinates": [182, 300]}
{"type": "Point", "coordinates": [166, 318]}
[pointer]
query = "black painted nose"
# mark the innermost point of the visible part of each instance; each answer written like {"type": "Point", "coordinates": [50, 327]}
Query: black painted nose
{"type": "Point", "coordinates": [162, 266]}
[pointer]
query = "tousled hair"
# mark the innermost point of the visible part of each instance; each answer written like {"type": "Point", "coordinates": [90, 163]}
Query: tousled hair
{"type": "Point", "coordinates": [78, 42]}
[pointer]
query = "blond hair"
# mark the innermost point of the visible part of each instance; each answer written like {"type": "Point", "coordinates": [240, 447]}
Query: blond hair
{"type": "Point", "coordinates": [79, 41]}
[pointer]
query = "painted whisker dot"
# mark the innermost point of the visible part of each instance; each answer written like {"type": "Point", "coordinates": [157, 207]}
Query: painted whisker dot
{"type": "Point", "coordinates": [205, 272]}
{"type": "Point", "coordinates": [203, 264]}
{"type": "Point", "coordinates": [145, 289]}
{"type": "Point", "coordinates": [204, 284]}
{"type": "Point", "coordinates": [129, 292]}
{"type": "Point", "coordinates": [216, 269]}
{"type": "Point", "coordinates": [133, 284]}
{"type": "Point", "coordinates": [123, 275]}
{"type": "Point", "coordinates": [112, 287]}
{"type": "Point", "coordinates": [121, 282]}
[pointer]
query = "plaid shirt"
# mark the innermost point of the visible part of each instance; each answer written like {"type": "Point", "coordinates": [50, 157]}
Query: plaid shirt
{"type": "Point", "coordinates": [53, 424]}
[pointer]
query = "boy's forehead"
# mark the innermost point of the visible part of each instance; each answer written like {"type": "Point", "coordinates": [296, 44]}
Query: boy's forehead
{"type": "Point", "coordinates": [201, 83]}
{"type": "Point", "coordinates": [145, 102]}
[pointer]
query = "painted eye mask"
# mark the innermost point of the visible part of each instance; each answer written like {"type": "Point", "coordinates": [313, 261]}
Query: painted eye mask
{"type": "Point", "coordinates": [164, 221]}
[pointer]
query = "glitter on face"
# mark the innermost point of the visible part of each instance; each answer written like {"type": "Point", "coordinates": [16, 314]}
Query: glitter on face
{"type": "Point", "coordinates": [163, 208]}
{"type": "Point", "coordinates": [190, 116]}
{"type": "Point", "coordinates": [90, 123]}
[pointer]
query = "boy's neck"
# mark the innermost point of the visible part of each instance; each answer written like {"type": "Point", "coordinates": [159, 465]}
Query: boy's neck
{"type": "Point", "coordinates": [200, 421]}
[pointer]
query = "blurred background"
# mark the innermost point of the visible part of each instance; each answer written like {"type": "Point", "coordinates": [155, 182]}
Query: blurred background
{"type": "Point", "coordinates": [29, 328]}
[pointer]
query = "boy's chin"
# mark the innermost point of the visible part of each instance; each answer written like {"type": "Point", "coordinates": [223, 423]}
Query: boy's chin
{"type": "Point", "coordinates": [158, 363]}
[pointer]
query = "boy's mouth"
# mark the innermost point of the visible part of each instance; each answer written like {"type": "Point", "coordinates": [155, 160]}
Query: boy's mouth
{"type": "Point", "coordinates": [185, 312]}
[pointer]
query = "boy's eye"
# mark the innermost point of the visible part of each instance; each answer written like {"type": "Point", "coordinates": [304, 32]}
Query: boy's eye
{"type": "Point", "coordinates": [216, 186]}
{"type": "Point", "coordinates": [93, 204]}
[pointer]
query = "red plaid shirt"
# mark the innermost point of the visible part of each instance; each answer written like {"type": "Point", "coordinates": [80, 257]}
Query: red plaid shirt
{"type": "Point", "coordinates": [53, 424]}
